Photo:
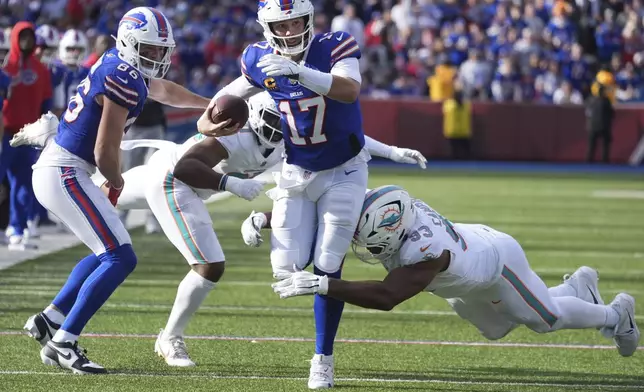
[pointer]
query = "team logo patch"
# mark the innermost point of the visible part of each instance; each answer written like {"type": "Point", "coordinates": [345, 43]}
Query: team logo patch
{"type": "Point", "coordinates": [27, 77]}
{"type": "Point", "coordinates": [134, 21]}
{"type": "Point", "coordinates": [270, 83]}
{"type": "Point", "coordinates": [391, 218]}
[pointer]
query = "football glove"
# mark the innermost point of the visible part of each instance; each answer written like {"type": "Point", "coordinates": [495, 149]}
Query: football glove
{"type": "Point", "coordinates": [301, 283]}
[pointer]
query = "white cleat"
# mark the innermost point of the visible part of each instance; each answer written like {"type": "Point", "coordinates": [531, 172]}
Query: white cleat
{"type": "Point", "coordinates": [20, 243]}
{"type": "Point", "coordinates": [585, 282]}
{"type": "Point", "coordinates": [69, 355]}
{"type": "Point", "coordinates": [321, 374]}
{"type": "Point", "coordinates": [173, 350]}
{"type": "Point", "coordinates": [625, 334]}
{"type": "Point", "coordinates": [32, 231]}
{"type": "Point", "coordinates": [36, 134]}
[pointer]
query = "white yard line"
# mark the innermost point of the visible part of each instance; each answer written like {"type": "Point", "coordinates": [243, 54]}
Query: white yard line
{"type": "Point", "coordinates": [257, 339]}
{"type": "Point", "coordinates": [340, 379]}
{"type": "Point", "coordinates": [273, 309]}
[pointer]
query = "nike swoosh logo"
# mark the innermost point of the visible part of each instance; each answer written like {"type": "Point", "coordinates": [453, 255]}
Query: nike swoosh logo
{"type": "Point", "coordinates": [124, 81]}
{"type": "Point", "coordinates": [424, 248]}
{"type": "Point", "coordinates": [339, 38]}
{"type": "Point", "coordinates": [496, 302]}
{"type": "Point", "coordinates": [60, 353]}
{"type": "Point", "coordinates": [347, 172]}
{"type": "Point", "coordinates": [593, 295]}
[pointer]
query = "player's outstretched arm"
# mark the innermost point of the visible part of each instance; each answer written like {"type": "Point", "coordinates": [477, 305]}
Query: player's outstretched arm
{"type": "Point", "coordinates": [398, 286]}
{"type": "Point", "coordinates": [195, 169]}
{"type": "Point", "coordinates": [396, 154]}
{"type": "Point", "coordinates": [172, 94]}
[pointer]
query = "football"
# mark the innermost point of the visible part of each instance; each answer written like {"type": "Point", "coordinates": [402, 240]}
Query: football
{"type": "Point", "coordinates": [230, 107]}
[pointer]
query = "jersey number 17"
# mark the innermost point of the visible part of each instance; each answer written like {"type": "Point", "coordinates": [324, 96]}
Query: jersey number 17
{"type": "Point", "coordinates": [317, 135]}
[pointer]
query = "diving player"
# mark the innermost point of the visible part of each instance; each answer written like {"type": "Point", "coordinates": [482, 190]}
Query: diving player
{"type": "Point", "coordinates": [106, 103]}
{"type": "Point", "coordinates": [482, 273]}
{"type": "Point", "coordinates": [315, 82]}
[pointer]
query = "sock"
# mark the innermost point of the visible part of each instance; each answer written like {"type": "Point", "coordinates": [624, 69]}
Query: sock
{"type": "Point", "coordinates": [192, 291]}
{"type": "Point", "coordinates": [115, 266]}
{"type": "Point", "coordinates": [54, 315]}
{"type": "Point", "coordinates": [64, 336]}
{"type": "Point", "coordinates": [67, 295]}
{"type": "Point", "coordinates": [328, 312]}
{"type": "Point", "coordinates": [563, 290]}
{"type": "Point", "coordinates": [579, 314]}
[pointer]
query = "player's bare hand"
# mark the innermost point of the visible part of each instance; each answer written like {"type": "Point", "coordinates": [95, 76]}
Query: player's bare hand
{"type": "Point", "coordinates": [406, 155]}
{"type": "Point", "coordinates": [206, 126]}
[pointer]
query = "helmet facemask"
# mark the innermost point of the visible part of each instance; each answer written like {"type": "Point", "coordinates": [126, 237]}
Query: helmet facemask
{"type": "Point", "coordinates": [269, 127]}
{"type": "Point", "coordinates": [271, 14]}
{"type": "Point", "coordinates": [153, 59]}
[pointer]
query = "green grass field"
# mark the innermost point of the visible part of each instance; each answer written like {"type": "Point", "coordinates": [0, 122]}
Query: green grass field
{"type": "Point", "coordinates": [246, 339]}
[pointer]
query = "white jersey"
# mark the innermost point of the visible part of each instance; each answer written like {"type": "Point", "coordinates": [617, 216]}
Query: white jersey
{"type": "Point", "coordinates": [474, 261]}
{"type": "Point", "coordinates": [245, 156]}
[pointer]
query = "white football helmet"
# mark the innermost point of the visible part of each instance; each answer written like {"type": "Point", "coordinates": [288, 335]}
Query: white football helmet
{"type": "Point", "coordinates": [73, 47]}
{"type": "Point", "coordinates": [144, 39]}
{"type": "Point", "coordinates": [265, 120]}
{"type": "Point", "coordinates": [387, 214]}
{"type": "Point", "coordinates": [272, 11]}
{"type": "Point", "coordinates": [47, 38]}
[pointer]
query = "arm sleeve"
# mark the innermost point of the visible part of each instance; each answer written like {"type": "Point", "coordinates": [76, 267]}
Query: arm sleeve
{"type": "Point", "coordinates": [348, 68]}
{"type": "Point", "coordinates": [377, 148]}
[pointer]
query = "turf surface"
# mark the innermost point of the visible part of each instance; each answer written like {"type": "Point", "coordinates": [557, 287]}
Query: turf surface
{"type": "Point", "coordinates": [247, 339]}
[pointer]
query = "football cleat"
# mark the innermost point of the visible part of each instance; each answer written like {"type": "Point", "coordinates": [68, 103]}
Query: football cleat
{"type": "Point", "coordinates": [173, 350]}
{"type": "Point", "coordinates": [625, 334]}
{"type": "Point", "coordinates": [41, 328]}
{"type": "Point", "coordinates": [321, 374]}
{"type": "Point", "coordinates": [36, 134]}
{"type": "Point", "coordinates": [69, 355]}
{"type": "Point", "coordinates": [585, 282]}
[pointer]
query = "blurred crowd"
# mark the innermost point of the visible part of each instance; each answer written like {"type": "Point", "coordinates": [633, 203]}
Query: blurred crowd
{"type": "Point", "coordinates": [549, 51]}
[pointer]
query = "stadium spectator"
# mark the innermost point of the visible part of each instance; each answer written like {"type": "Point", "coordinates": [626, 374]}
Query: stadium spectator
{"type": "Point", "coordinates": [566, 95]}
{"type": "Point", "coordinates": [101, 45]}
{"type": "Point", "coordinates": [474, 76]}
{"type": "Point", "coordinates": [30, 96]}
{"type": "Point", "coordinates": [441, 83]}
{"type": "Point", "coordinates": [599, 121]}
{"type": "Point", "coordinates": [349, 22]}
{"type": "Point", "coordinates": [457, 125]}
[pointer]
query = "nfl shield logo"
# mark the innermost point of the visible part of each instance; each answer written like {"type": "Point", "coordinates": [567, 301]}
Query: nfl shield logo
{"type": "Point", "coordinates": [307, 174]}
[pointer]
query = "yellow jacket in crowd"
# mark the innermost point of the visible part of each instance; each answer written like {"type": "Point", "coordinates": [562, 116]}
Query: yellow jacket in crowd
{"type": "Point", "coordinates": [457, 119]}
{"type": "Point", "coordinates": [606, 79]}
{"type": "Point", "coordinates": [441, 84]}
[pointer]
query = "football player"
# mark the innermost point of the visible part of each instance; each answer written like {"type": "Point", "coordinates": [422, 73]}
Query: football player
{"type": "Point", "coordinates": [106, 103]}
{"type": "Point", "coordinates": [315, 81]}
{"type": "Point", "coordinates": [481, 272]}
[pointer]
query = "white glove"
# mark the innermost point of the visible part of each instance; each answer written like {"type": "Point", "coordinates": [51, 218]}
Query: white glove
{"type": "Point", "coordinates": [301, 283]}
{"type": "Point", "coordinates": [276, 65]}
{"type": "Point", "coordinates": [405, 155]}
{"type": "Point", "coordinates": [246, 189]}
{"type": "Point", "coordinates": [251, 228]}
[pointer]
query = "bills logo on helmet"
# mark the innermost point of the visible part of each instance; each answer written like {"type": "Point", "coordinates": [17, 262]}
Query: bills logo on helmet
{"type": "Point", "coordinates": [261, 4]}
{"type": "Point", "coordinates": [134, 21]}
{"type": "Point", "coordinates": [391, 217]}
